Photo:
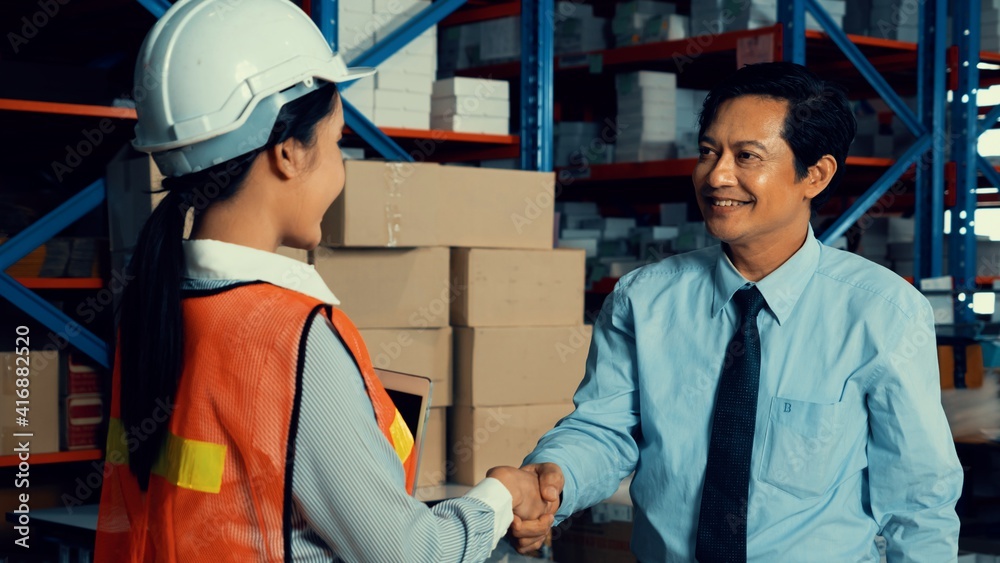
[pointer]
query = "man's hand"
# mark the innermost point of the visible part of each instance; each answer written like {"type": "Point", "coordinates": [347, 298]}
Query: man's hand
{"type": "Point", "coordinates": [530, 533]}
{"type": "Point", "coordinates": [523, 487]}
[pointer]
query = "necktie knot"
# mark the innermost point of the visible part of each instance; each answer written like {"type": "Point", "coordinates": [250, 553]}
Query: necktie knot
{"type": "Point", "coordinates": [749, 302]}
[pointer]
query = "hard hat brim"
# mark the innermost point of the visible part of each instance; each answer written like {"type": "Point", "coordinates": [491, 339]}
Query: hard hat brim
{"type": "Point", "coordinates": [357, 72]}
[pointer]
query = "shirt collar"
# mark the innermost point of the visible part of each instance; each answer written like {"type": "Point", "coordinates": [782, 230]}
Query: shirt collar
{"type": "Point", "coordinates": [781, 288]}
{"type": "Point", "coordinates": [217, 260]}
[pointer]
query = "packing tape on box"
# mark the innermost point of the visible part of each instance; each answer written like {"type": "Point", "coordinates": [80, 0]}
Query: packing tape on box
{"type": "Point", "coordinates": [393, 217]}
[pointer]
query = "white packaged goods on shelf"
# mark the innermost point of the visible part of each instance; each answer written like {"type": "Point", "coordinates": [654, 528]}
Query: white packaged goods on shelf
{"type": "Point", "coordinates": [577, 208]}
{"type": "Point", "coordinates": [589, 245]}
{"type": "Point", "coordinates": [352, 153]}
{"type": "Point", "coordinates": [713, 16]}
{"type": "Point", "coordinates": [470, 105]}
{"type": "Point", "coordinates": [646, 152]}
{"type": "Point", "coordinates": [422, 65]}
{"type": "Point", "coordinates": [402, 81]}
{"type": "Point", "coordinates": [628, 82]}
{"type": "Point", "coordinates": [618, 227]}
{"type": "Point", "coordinates": [403, 101]}
{"type": "Point", "coordinates": [666, 28]}
{"type": "Point", "coordinates": [470, 124]}
{"type": "Point", "coordinates": [649, 129]}
{"type": "Point", "coordinates": [479, 87]}
{"type": "Point", "coordinates": [501, 39]}
{"type": "Point", "coordinates": [401, 118]}
{"type": "Point", "coordinates": [673, 214]}
{"type": "Point", "coordinates": [581, 34]}
{"type": "Point", "coordinates": [570, 234]}
{"type": "Point", "coordinates": [361, 95]}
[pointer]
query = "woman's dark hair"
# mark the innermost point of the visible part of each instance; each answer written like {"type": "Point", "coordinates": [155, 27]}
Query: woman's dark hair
{"type": "Point", "coordinates": [819, 120]}
{"type": "Point", "coordinates": [151, 335]}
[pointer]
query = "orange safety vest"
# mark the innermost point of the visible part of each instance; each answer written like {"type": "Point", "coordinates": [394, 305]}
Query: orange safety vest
{"type": "Point", "coordinates": [222, 487]}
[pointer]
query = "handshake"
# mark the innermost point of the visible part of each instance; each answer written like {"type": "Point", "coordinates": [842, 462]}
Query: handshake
{"type": "Point", "coordinates": [536, 489]}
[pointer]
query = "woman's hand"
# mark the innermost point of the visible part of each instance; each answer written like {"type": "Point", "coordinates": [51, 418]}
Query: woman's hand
{"type": "Point", "coordinates": [523, 486]}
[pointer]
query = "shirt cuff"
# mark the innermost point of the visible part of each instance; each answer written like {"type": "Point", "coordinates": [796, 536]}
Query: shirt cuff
{"type": "Point", "coordinates": [496, 496]}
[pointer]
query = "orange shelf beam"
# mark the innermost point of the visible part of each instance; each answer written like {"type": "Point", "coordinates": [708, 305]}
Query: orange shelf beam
{"type": "Point", "coordinates": [492, 12]}
{"type": "Point", "coordinates": [66, 109]}
{"type": "Point", "coordinates": [55, 457]}
{"type": "Point", "coordinates": [61, 283]}
{"type": "Point", "coordinates": [453, 136]}
{"type": "Point", "coordinates": [865, 41]}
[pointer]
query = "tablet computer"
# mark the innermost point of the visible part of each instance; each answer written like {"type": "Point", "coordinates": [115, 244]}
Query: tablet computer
{"type": "Point", "coordinates": [412, 397]}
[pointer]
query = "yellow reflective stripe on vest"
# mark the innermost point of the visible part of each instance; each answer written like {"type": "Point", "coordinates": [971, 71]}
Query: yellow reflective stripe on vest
{"type": "Point", "coordinates": [116, 451]}
{"type": "Point", "coordinates": [186, 463]}
{"type": "Point", "coordinates": [192, 464]}
{"type": "Point", "coordinates": [402, 438]}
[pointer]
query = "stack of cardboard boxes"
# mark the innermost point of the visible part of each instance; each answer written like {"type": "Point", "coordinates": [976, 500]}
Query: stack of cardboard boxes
{"type": "Point", "coordinates": [520, 351]}
{"type": "Point", "coordinates": [449, 272]}
{"type": "Point", "coordinates": [646, 21]}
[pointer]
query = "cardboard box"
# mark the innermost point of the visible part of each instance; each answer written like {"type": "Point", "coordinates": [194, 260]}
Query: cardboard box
{"type": "Point", "coordinates": [130, 179]}
{"type": "Point", "coordinates": [481, 438]}
{"type": "Point", "coordinates": [496, 287]}
{"type": "Point", "coordinates": [433, 461]}
{"type": "Point", "coordinates": [388, 288]}
{"type": "Point", "coordinates": [82, 418]}
{"type": "Point", "coordinates": [519, 365]}
{"type": "Point", "coordinates": [974, 367]}
{"type": "Point", "coordinates": [425, 352]}
{"type": "Point", "coordinates": [399, 204]}
{"type": "Point", "coordinates": [42, 407]}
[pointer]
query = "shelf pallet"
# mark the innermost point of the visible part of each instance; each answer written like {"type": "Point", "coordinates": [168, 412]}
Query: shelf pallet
{"type": "Point", "coordinates": [54, 457]}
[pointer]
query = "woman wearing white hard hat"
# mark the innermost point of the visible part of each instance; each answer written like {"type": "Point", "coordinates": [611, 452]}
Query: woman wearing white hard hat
{"type": "Point", "coordinates": [247, 421]}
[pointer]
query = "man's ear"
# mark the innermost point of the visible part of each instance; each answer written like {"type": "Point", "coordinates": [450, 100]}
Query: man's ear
{"type": "Point", "coordinates": [820, 175]}
{"type": "Point", "coordinates": [290, 158]}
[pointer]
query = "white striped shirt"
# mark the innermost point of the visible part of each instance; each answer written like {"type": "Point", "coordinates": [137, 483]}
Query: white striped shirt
{"type": "Point", "coordinates": [349, 501]}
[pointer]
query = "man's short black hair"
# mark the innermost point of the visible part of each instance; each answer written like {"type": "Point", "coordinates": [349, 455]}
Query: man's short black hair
{"type": "Point", "coordinates": [819, 121]}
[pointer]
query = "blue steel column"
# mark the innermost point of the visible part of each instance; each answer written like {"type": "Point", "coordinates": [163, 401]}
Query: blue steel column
{"type": "Point", "coordinates": [929, 211]}
{"type": "Point", "coordinates": [792, 15]}
{"type": "Point", "coordinates": [537, 54]}
{"type": "Point", "coordinates": [64, 328]}
{"type": "Point", "coordinates": [325, 15]}
{"type": "Point", "coordinates": [965, 152]}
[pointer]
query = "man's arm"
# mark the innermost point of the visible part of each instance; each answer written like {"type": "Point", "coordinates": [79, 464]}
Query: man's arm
{"type": "Point", "coordinates": [914, 476]}
{"type": "Point", "coordinates": [595, 446]}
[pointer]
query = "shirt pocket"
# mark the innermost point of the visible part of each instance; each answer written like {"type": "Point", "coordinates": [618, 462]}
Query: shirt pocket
{"type": "Point", "coordinates": [802, 444]}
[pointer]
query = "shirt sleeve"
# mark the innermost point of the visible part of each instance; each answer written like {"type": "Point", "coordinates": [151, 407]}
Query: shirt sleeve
{"type": "Point", "coordinates": [914, 476]}
{"type": "Point", "coordinates": [348, 482]}
{"type": "Point", "coordinates": [595, 446]}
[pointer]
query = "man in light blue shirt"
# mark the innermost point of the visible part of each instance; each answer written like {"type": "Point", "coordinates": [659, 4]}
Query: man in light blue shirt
{"type": "Point", "coordinates": [848, 438]}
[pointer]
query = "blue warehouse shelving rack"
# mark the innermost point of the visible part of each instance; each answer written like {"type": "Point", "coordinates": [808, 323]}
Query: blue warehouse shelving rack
{"type": "Point", "coordinates": [536, 152]}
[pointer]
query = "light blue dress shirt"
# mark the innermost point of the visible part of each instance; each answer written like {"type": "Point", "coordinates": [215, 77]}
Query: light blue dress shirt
{"type": "Point", "coordinates": [851, 440]}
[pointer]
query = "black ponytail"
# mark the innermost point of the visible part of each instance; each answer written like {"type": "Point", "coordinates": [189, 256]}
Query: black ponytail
{"type": "Point", "coordinates": [151, 327]}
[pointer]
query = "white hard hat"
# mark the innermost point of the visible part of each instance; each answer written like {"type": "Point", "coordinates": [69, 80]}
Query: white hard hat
{"type": "Point", "coordinates": [212, 75]}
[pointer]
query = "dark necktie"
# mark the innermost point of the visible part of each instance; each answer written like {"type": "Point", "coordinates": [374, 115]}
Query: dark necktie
{"type": "Point", "coordinates": [722, 524]}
